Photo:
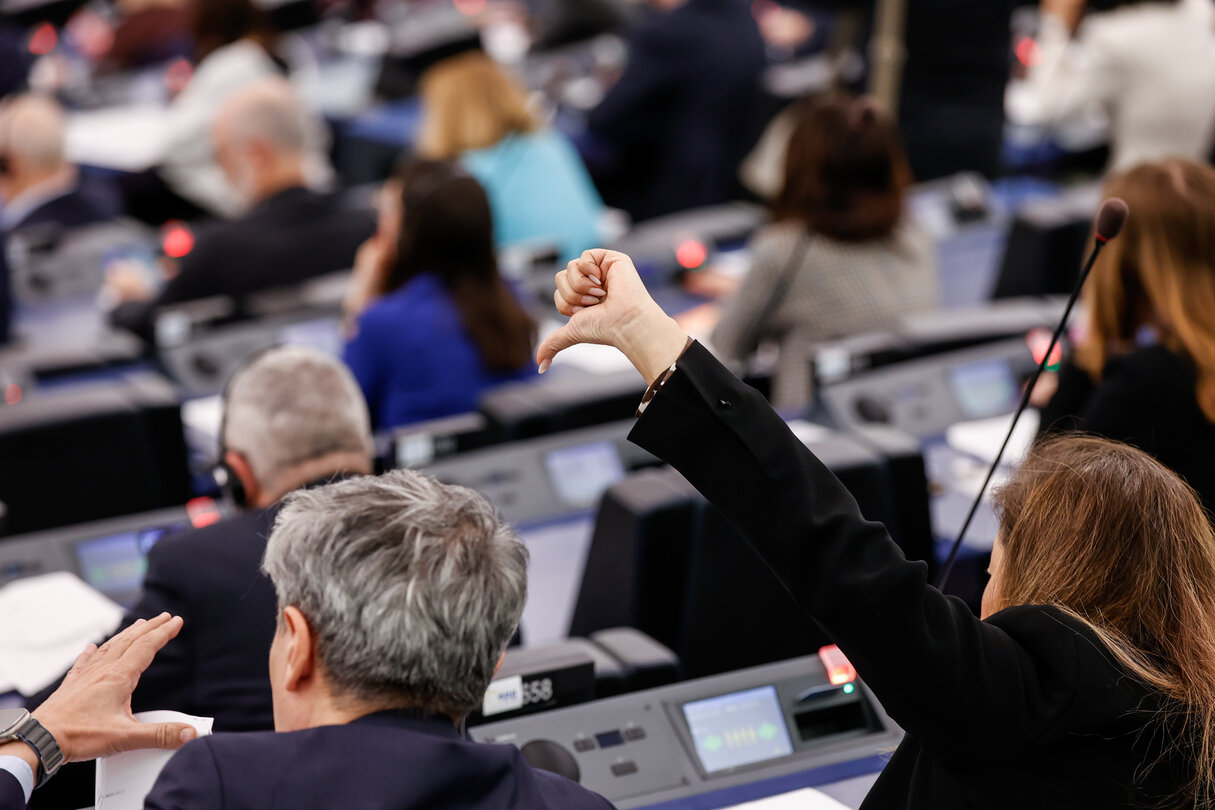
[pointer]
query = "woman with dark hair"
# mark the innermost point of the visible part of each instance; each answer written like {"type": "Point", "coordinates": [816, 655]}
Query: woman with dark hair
{"type": "Point", "coordinates": [1150, 64]}
{"type": "Point", "coordinates": [433, 324]}
{"type": "Point", "coordinates": [1144, 371]}
{"type": "Point", "coordinates": [1089, 681]}
{"type": "Point", "coordinates": [839, 257]}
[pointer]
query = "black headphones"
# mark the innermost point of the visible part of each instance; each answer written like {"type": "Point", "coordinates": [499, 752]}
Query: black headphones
{"type": "Point", "coordinates": [229, 482]}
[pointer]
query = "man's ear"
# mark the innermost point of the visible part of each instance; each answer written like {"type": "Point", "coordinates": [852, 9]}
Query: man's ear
{"type": "Point", "coordinates": [501, 661]}
{"type": "Point", "coordinates": [243, 470]}
{"type": "Point", "coordinates": [300, 656]}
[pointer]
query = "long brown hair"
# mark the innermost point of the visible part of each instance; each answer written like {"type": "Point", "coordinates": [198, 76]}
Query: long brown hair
{"type": "Point", "coordinates": [1160, 272]}
{"type": "Point", "coordinates": [845, 170]}
{"type": "Point", "coordinates": [1111, 536]}
{"type": "Point", "coordinates": [470, 103]}
{"type": "Point", "coordinates": [447, 229]}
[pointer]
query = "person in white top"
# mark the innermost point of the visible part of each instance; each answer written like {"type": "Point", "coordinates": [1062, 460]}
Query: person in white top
{"type": "Point", "coordinates": [233, 41]}
{"type": "Point", "coordinates": [1150, 64]}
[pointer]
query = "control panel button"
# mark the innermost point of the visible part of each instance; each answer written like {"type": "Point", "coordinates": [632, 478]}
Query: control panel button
{"type": "Point", "coordinates": [584, 745]}
{"type": "Point", "coordinates": [635, 733]}
{"type": "Point", "coordinates": [609, 739]}
{"type": "Point", "coordinates": [624, 768]}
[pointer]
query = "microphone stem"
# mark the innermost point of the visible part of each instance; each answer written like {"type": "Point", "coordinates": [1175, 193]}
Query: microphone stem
{"type": "Point", "coordinates": [947, 568]}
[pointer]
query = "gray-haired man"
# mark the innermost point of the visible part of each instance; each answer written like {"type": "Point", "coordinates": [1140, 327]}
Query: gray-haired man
{"type": "Point", "coordinates": [397, 597]}
{"type": "Point", "coordinates": [293, 417]}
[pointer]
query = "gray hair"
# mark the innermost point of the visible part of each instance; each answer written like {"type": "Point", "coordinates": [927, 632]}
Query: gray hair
{"type": "Point", "coordinates": [413, 588]}
{"type": "Point", "coordinates": [290, 405]}
{"type": "Point", "coordinates": [33, 128]}
{"type": "Point", "coordinates": [271, 111]}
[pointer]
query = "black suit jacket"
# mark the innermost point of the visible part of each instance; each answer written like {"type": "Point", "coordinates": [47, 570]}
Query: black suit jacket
{"type": "Point", "coordinates": [91, 202]}
{"type": "Point", "coordinates": [686, 110]}
{"type": "Point", "coordinates": [1026, 709]}
{"type": "Point", "coordinates": [217, 666]}
{"type": "Point", "coordinates": [1146, 398]}
{"type": "Point", "coordinates": [385, 761]}
{"type": "Point", "coordinates": [293, 236]}
{"type": "Point", "coordinates": [11, 796]}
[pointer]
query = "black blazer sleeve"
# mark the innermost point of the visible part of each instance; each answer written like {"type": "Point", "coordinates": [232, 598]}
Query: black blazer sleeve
{"type": "Point", "coordinates": [11, 795]}
{"type": "Point", "coordinates": [168, 681]}
{"type": "Point", "coordinates": [966, 689]}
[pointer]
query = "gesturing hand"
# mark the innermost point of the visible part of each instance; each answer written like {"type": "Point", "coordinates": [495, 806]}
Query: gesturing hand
{"type": "Point", "coordinates": [609, 305]}
{"type": "Point", "coordinates": [90, 713]}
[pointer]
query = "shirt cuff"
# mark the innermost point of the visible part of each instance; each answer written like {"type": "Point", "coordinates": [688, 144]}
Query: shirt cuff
{"type": "Point", "coordinates": [657, 385]}
{"type": "Point", "coordinates": [19, 768]}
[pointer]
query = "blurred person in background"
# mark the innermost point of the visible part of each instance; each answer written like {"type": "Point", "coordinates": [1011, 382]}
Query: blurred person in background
{"type": "Point", "coordinates": [1145, 371]}
{"type": "Point", "coordinates": [670, 134]}
{"type": "Point", "coordinates": [39, 187]}
{"type": "Point", "coordinates": [233, 46]}
{"type": "Point", "coordinates": [538, 188]}
{"type": "Point", "coordinates": [148, 32]}
{"type": "Point", "coordinates": [289, 234]}
{"type": "Point", "coordinates": [1149, 64]}
{"type": "Point", "coordinates": [840, 256]}
{"type": "Point", "coordinates": [433, 324]}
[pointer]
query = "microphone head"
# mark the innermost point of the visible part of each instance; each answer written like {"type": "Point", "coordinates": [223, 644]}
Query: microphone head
{"type": "Point", "coordinates": [1111, 218]}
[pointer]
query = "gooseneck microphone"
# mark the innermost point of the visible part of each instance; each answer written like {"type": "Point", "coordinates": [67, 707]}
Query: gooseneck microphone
{"type": "Point", "coordinates": [1110, 220]}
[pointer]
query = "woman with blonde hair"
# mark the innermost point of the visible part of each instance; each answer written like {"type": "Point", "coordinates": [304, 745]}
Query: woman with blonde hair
{"type": "Point", "coordinates": [540, 192]}
{"type": "Point", "coordinates": [1089, 681]}
{"type": "Point", "coordinates": [1145, 371]}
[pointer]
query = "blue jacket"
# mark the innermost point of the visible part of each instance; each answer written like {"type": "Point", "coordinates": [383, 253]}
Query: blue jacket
{"type": "Point", "coordinates": [414, 360]}
{"type": "Point", "coordinates": [539, 192]}
{"type": "Point", "coordinates": [385, 761]}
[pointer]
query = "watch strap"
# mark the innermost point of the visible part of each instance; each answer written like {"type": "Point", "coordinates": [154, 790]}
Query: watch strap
{"type": "Point", "coordinates": [50, 755]}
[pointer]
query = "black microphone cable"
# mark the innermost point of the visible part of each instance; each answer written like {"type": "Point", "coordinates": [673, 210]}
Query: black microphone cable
{"type": "Point", "coordinates": [1110, 220]}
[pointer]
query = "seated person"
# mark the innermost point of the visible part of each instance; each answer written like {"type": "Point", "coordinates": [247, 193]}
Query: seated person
{"type": "Point", "coordinates": [89, 715]}
{"type": "Point", "coordinates": [290, 233]}
{"type": "Point", "coordinates": [1145, 371]}
{"type": "Point", "coordinates": [670, 134]}
{"type": "Point", "coordinates": [292, 418]}
{"type": "Point", "coordinates": [436, 325]}
{"type": "Point", "coordinates": [841, 256]}
{"type": "Point", "coordinates": [538, 188]}
{"type": "Point", "coordinates": [40, 189]}
{"type": "Point", "coordinates": [397, 598]}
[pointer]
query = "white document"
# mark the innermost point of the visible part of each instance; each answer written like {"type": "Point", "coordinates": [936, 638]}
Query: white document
{"type": "Point", "coordinates": [47, 621]}
{"type": "Point", "coordinates": [805, 799]}
{"type": "Point", "coordinates": [125, 780]}
{"type": "Point", "coordinates": [982, 438]}
{"type": "Point", "coordinates": [126, 138]}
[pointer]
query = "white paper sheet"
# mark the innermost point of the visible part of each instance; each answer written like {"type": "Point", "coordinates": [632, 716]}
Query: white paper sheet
{"type": "Point", "coordinates": [127, 138]}
{"type": "Point", "coordinates": [805, 799]}
{"type": "Point", "coordinates": [47, 622]}
{"type": "Point", "coordinates": [125, 780]}
{"type": "Point", "coordinates": [982, 438]}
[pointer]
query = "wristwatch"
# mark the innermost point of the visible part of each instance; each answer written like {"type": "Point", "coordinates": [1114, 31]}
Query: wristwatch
{"type": "Point", "coordinates": [18, 724]}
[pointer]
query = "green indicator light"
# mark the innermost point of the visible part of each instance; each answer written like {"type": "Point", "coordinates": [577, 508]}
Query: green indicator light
{"type": "Point", "coordinates": [849, 689]}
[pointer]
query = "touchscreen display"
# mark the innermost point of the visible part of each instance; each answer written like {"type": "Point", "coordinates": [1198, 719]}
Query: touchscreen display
{"type": "Point", "coordinates": [738, 729]}
{"type": "Point", "coordinates": [984, 389]}
{"type": "Point", "coordinates": [580, 475]}
{"type": "Point", "coordinates": [116, 564]}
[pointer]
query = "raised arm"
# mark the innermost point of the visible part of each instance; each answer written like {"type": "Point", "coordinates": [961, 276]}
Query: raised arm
{"type": "Point", "coordinates": [960, 685]}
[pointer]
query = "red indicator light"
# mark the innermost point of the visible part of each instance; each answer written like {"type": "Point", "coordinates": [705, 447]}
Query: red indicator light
{"type": "Point", "coordinates": [178, 75]}
{"type": "Point", "coordinates": [12, 394]}
{"type": "Point", "coordinates": [1038, 340]}
{"type": "Point", "coordinates": [1027, 52]}
{"type": "Point", "coordinates": [203, 512]}
{"type": "Point", "coordinates": [43, 40]}
{"type": "Point", "coordinates": [839, 669]}
{"type": "Point", "coordinates": [176, 240]}
{"type": "Point", "coordinates": [691, 254]}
